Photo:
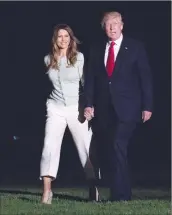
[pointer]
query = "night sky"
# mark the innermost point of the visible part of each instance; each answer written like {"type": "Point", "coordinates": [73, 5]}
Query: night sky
{"type": "Point", "coordinates": [25, 36]}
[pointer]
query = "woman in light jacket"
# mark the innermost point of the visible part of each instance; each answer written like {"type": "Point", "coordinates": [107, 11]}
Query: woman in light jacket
{"type": "Point", "coordinates": [65, 71]}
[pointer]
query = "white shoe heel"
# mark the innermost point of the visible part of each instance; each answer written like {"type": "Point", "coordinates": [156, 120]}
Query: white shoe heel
{"type": "Point", "coordinates": [47, 198]}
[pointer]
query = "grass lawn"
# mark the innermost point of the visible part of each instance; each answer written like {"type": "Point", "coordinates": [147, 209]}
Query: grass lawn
{"type": "Point", "coordinates": [73, 201]}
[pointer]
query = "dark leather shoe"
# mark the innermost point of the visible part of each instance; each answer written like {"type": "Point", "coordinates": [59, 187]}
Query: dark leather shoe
{"type": "Point", "coordinates": [94, 194]}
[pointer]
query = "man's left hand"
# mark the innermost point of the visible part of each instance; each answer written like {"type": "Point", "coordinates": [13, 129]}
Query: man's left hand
{"type": "Point", "coordinates": [146, 115]}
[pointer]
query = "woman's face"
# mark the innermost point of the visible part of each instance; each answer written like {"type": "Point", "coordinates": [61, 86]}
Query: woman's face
{"type": "Point", "coordinates": [63, 39]}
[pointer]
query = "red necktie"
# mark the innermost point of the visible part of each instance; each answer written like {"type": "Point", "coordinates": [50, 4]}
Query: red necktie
{"type": "Point", "coordinates": [111, 60]}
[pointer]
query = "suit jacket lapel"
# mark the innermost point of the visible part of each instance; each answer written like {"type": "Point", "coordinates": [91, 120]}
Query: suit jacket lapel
{"type": "Point", "coordinates": [121, 56]}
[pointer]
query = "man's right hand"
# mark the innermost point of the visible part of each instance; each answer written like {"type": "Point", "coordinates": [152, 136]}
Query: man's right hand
{"type": "Point", "coordinates": [89, 113]}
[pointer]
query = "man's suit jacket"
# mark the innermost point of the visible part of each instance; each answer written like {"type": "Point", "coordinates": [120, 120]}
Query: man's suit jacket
{"type": "Point", "coordinates": [130, 86]}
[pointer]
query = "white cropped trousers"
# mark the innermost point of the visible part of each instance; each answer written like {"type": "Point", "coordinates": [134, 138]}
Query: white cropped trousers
{"type": "Point", "coordinates": [58, 117]}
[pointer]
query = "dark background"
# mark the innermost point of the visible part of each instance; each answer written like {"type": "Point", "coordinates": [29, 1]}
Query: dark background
{"type": "Point", "coordinates": [25, 34]}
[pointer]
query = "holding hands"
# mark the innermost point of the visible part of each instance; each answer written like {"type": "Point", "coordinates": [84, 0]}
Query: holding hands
{"type": "Point", "coordinates": [89, 113]}
{"type": "Point", "coordinates": [146, 115]}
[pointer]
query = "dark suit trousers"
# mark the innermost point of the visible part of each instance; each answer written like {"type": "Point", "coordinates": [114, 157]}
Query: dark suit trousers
{"type": "Point", "coordinates": [112, 139]}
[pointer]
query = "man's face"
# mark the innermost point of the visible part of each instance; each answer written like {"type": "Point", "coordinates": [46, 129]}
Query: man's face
{"type": "Point", "coordinates": [113, 27]}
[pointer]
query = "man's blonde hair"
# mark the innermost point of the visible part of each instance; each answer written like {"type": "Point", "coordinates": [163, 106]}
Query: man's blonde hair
{"type": "Point", "coordinates": [113, 14]}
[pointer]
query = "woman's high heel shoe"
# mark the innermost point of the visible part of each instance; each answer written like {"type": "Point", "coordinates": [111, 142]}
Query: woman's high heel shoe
{"type": "Point", "coordinates": [47, 198]}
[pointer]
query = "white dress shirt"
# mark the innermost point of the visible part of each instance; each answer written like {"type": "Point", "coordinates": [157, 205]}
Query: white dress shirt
{"type": "Point", "coordinates": [116, 48]}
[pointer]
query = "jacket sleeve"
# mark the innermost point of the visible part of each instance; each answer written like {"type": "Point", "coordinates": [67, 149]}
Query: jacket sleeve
{"type": "Point", "coordinates": [89, 80]}
{"type": "Point", "coordinates": [81, 67]}
{"type": "Point", "coordinates": [145, 75]}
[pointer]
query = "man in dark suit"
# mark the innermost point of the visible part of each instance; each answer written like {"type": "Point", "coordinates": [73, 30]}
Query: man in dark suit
{"type": "Point", "coordinates": [118, 85]}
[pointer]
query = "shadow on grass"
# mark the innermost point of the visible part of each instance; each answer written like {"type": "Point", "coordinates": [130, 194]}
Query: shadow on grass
{"type": "Point", "coordinates": [55, 195]}
{"type": "Point", "coordinates": [140, 196]}
{"type": "Point", "coordinates": [156, 197]}
{"type": "Point", "coordinates": [58, 196]}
